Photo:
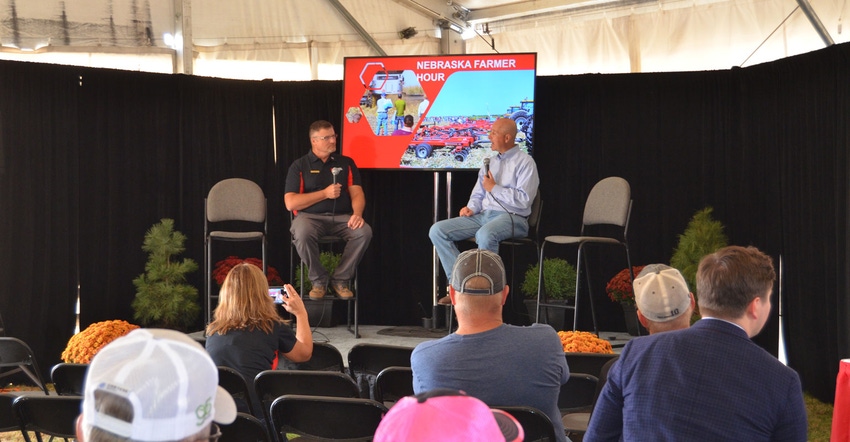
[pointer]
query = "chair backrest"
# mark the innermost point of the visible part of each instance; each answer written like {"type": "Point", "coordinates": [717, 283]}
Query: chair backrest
{"type": "Point", "coordinates": [352, 418]}
{"type": "Point", "coordinates": [325, 357]}
{"type": "Point", "coordinates": [17, 355]}
{"type": "Point", "coordinates": [271, 384]}
{"type": "Point", "coordinates": [69, 379]}
{"type": "Point", "coordinates": [245, 428]}
{"type": "Point", "coordinates": [232, 381]}
{"type": "Point", "coordinates": [588, 363]}
{"type": "Point", "coordinates": [365, 361]}
{"type": "Point", "coordinates": [236, 199]}
{"type": "Point", "coordinates": [8, 418]}
{"type": "Point", "coordinates": [52, 415]}
{"type": "Point", "coordinates": [577, 394]}
{"type": "Point", "coordinates": [609, 202]}
{"type": "Point", "coordinates": [603, 377]}
{"type": "Point", "coordinates": [535, 424]}
{"type": "Point", "coordinates": [392, 384]}
{"type": "Point", "coordinates": [536, 211]}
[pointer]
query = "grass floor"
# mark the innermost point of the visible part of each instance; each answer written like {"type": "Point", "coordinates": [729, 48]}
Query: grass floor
{"type": "Point", "coordinates": [819, 416]}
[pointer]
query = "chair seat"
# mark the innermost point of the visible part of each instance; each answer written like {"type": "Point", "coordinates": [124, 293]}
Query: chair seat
{"type": "Point", "coordinates": [239, 236]}
{"type": "Point", "coordinates": [561, 239]}
{"type": "Point", "coordinates": [576, 422]}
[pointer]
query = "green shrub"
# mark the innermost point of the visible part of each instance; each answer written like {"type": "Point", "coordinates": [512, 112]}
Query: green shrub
{"type": "Point", "coordinates": [559, 277]}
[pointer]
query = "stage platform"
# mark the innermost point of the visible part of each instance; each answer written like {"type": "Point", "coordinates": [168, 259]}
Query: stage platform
{"type": "Point", "coordinates": [409, 336]}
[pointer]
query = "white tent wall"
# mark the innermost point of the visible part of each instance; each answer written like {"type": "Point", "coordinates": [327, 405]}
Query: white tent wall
{"type": "Point", "coordinates": [289, 40]}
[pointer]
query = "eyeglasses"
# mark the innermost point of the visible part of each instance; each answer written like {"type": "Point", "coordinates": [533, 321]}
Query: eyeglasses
{"type": "Point", "coordinates": [326, 138]}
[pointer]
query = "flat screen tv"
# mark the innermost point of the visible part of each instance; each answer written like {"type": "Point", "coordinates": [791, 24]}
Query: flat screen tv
{"type": "Point", "coordinates": [453, 100]}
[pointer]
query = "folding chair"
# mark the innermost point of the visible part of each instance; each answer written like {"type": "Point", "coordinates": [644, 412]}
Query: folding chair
{"type": "Point", "coordinates": [54, 416]}
{"type": "Point", "coordinates": [271, 384]}
{"type": "Point", "coordinates": [365, 361]}
{"type": "Point", "coordinates": [535, 424]}
{"type": "Point", "coordinates": [17, 355]}
{"type": "Point", "coordinates": [609, 203]}
{"type": "Point", "coordinates": [392, 384]}
{"type": "Point", "coordinates": [233, 199]}
{"type": "Point", "coordinates": [575, 423]}
{"type": "Point", "coordinates": [588, 363]}
{"type": "Point", "coordinates": [353, 419]}
{"type": "Point", "coordinates": [325, 357]}
{"type": "Point", "coordinates": [232, 381]}
{"type": "Point", "coordinates": [69, 379]}
{"type": "Point", "coordinates": [246, 428]}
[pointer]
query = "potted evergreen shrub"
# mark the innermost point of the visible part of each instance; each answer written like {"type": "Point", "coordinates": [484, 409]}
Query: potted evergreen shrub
{"type": "Point", "coordinates": [702, 236]}
{"type": "Point", "coordinates": [163, 296]}
{"type": "Point", "coordinates": [559, 279]}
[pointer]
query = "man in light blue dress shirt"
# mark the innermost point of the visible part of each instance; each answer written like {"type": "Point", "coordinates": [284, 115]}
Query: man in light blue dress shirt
{"type": "Point", "coordinates": [500, 202]}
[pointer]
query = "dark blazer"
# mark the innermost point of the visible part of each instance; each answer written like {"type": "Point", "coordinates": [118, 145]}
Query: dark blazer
{"type": "Point", "coordinates": [706, 383]}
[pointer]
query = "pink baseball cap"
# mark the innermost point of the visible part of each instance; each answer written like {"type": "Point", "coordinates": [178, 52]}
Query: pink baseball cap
{"type": "Point", "coordinates": [447, 415]}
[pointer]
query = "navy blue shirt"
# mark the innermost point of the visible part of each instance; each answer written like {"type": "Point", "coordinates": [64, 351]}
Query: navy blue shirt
{"type": "Point", "coordinates": [309, 174]}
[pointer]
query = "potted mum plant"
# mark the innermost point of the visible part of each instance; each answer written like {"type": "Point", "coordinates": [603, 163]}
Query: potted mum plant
{"type": "Point", "coordinates": [559, 279]}
{"type": "Point", "coordinates": [619, 289]}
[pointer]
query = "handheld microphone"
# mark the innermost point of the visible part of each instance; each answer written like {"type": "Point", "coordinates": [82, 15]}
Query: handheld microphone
{"type": "Point", "coordinates": [336, 171]}
{"type": "Point", "coordinates": [486, 166]}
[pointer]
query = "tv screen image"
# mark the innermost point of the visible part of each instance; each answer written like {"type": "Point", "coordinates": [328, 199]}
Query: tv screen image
{"type": "Point", "coordinates": [452, 99]}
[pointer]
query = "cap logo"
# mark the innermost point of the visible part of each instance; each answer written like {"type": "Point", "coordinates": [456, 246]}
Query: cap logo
{"type": "Point", "coordinates": [203, 411]}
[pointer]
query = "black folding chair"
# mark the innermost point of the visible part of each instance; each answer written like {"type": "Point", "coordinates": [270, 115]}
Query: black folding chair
{"type": "Point", "coordinates": [54, 416]}
{"type": "Point", "coordinates": [245, 428]}
{"type": "Point", "coordinates": [392, 384]}
{"type": "Point", "coordinates": [69, 379]}
{"type": "Point", "coordinates": [271, 384]}
{"type": "Point", "coordinates": [325, 357]}
{"type": "Point", "coordinates": [353, 419]}
{"type": "Point", "coordinates": [365, 361]}
{"type": "Point", "coordinates": [18, 357]}
{"type": "Point", "coordinates": [232, 381]}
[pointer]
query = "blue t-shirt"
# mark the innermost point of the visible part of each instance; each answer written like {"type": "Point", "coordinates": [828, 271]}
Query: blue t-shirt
{"type": "Point", "coordinates": [509, 365]}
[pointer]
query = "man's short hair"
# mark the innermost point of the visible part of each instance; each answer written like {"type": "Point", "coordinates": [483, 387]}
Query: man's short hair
{"type": "Point", "coordinates": [730, 278]}
{"type": "Point", "coordinates": [478, 272]}
{"type": "Point", "coordinates": [169, 382]}
{"type": "Point", "coordinates": [319, 125]}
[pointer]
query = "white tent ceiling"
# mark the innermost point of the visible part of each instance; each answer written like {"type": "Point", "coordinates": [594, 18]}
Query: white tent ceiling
{"type": "Point", "coordinates": [303, 40]}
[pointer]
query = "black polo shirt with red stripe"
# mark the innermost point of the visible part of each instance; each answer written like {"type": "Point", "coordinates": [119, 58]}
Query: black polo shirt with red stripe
{"type": "Point", "coordinates": [309, 174]}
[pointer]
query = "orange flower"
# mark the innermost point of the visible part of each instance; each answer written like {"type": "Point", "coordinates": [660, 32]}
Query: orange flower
{"type": "Point", "coordinates": [584, 342]}
{"type": "Point", "coordinates": [83, 346]}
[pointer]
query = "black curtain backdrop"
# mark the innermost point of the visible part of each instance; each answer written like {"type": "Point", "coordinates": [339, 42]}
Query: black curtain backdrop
{"type": "Point", "coordinates": [92, 158]}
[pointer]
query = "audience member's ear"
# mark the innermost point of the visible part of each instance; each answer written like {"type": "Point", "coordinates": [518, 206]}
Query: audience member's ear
{"type": "Point", "coordinates": [643, 321]}
{"type": "Point", "coordinates": [79, 427]}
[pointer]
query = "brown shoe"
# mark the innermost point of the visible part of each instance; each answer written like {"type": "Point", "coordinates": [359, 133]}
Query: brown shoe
{"type": "Point", "coordinates": [318, 292]}
{"type": "Point", "coordinates": [445, 300]}
{"type": "Point", "coordinates": [343, 291]}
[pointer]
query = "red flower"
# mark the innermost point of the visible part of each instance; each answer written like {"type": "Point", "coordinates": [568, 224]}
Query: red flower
{"type": "Point", "coordinates": [619, 288]}
{"type": "Point", "coordinates": [223, 267]}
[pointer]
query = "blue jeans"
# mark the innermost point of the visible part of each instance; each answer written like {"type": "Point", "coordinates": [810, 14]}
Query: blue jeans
{"type": "Point", "coordinates": [488, 227]}
{"type": "Point", "coordinates": [382, 123]}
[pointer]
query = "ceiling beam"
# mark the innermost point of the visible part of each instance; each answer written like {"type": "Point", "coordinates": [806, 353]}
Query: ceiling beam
{"type": "Point", "coordinates": [438, 10]}
{"type": "Point", "coordinates": [521, 9]}
{"type": "Point", "coordinates": [357, 27]}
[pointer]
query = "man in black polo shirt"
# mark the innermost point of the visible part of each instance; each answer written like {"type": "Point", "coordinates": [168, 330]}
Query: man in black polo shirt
{"type": "Point", "coordinates": [324, 191]}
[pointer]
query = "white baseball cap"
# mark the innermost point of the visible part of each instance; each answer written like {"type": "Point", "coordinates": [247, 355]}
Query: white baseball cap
{"type": "Point", "coordinates": [661, 293]}
{"type": "Point", "coordinates": [170, 380]}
